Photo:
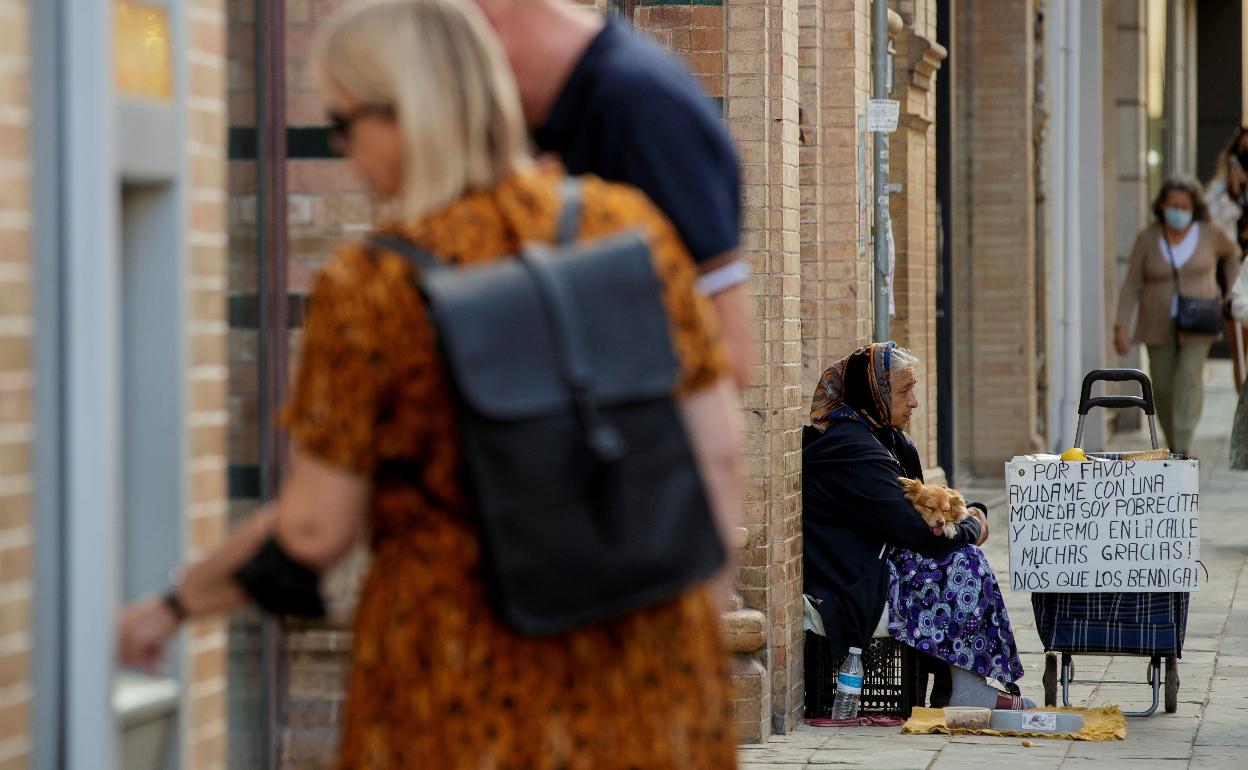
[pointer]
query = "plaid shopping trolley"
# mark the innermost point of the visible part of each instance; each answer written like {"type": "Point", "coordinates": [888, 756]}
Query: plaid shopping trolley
{"type": "Point", "coordinates": [1151, 625]}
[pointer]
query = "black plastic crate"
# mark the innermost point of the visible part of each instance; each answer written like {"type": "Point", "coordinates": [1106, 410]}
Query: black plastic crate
{"type": "Point", "coordinates": [892, 684]}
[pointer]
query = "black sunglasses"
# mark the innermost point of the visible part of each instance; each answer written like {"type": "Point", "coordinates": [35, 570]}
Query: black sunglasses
{"type": "Point", "coordinates": [340, 122]}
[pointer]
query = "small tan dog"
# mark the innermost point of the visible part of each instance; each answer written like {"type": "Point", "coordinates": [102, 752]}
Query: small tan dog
{"type": "Point", "coordinates": [940, 506]}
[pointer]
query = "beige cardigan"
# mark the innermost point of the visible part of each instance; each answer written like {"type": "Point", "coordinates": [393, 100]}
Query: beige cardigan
{"type": "Point", "coordinates": [1149, 285]}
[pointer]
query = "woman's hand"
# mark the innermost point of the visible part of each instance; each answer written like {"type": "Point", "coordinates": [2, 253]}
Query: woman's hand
{"type": "Point", "coordinates": [143, 630]}
{"type": "Point", "coordinates": [1122, 343]}
{"type": "Point", "coordinates": [983, 525]}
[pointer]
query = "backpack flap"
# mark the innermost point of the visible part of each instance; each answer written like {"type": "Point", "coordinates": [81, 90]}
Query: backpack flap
{"type": "Point", "coordinates": [587, 495]}
{"type": "Point", "coordinates": [612, 330]}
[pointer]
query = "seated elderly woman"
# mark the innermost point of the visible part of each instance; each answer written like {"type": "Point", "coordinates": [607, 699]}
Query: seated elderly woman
{"type": "Point", "coordinates": [869, 553]}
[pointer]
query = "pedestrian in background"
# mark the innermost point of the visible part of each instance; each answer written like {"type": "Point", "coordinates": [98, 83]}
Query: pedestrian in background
{"type": "Point", "coordinates": [1181, 260]}
{"type": "Point", "coordinates": [1232, 166]}
{"type": "Point", "coordinates": [606, 100]}
{"type": "Point", "coordinates": [1227, 191]}
{"type": "Point", "coordinates": [425, 108]}
{"type": "Point", "coordinates": [1239, 428]}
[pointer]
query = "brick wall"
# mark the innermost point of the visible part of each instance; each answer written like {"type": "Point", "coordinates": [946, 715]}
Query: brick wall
{"type": "Point", "coordinates": [813, 158]}
{"type": "Point", "coordinates": [995, 234]}
{"type": "Point", "coordinates": [694, 31]}
{"type": "Point", "coordinates": [913, 166]}
{"type": "Point", "coordinates": [244, 677]}
{"type": "Point", "coordinates": [761, 101]}
{"type": "Point", "coordinates": [843, 301]}
{"type": "Point", "coordinates": [1127, 188]}
{"type": "Point", "coordinates": [325, 206]}
{"type": "Point", "coordinates": [15, 387]}
{"type": "Point", "coordinates": [835, 309]}
{"type": "Point", "coordinates": [207, 375]}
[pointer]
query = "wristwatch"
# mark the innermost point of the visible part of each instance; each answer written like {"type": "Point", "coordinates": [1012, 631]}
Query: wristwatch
{"type": "Point", "coordinates": [175, 604]}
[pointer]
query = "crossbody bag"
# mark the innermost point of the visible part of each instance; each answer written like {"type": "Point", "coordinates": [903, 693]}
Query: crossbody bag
{"type": "Point", "coordinates": [1193, 315]}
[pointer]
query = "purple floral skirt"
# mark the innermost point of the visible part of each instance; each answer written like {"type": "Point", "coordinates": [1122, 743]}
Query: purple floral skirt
{"type": "Point", "coordinates": [951, 607]}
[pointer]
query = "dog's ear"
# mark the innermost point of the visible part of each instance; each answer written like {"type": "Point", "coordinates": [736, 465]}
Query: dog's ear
{"type": "Point", "coordinates": [910, 487]}
{"type": "Point", "coordinates": [956, 501]}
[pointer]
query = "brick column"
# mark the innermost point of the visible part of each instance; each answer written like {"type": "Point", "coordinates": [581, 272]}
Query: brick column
{"type": "Point", "coordinates": [762, 106]}
{"type": "Point", "coordinates": [1126, 117]}
{"type": "Point", "coordinates": [15, 388]}
{"type": "Point", "coordinates": [995, 254]}
{"type": "Point", "coordinates": [206, 377]}
{"type": "Point", "coordinates": [814, 157]}
{"type": "Point", "coordinates": [913, 167]}
{"type": "Point", "coordinates": [845, 320]}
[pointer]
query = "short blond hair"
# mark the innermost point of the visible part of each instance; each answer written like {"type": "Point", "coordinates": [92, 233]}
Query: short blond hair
{"type": "Point", "coordinates": [438, 66]}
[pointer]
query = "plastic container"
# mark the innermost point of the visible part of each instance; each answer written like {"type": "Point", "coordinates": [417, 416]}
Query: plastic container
{"type": "Point", "coordinates": [967, 718]}
{"type": "Point", "coordinates": [1037, 722]}
{"type": "Point", "coordinates": [848, 686]}
{"type": "Point", "coordinates": [893, 683]}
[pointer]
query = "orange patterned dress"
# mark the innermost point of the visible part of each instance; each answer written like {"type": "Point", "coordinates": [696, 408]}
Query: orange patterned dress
{"type": "Point", "coordinates": [436, 681]}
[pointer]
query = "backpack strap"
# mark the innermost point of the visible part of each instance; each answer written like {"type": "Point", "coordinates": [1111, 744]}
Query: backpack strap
{"type": "Point", "coordinates": [570, 220]}
{"type": "Point", "coordinates": [1165, 243]}
{"type": "Point", "coordinates": [404, 247]}
{"type": "Point", "coordinates": [568, 227]}
{"type": "Point", "coordinates": [603, 440]}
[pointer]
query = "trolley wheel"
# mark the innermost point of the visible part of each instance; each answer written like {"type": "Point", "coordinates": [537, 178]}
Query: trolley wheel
{"type": "Point", "coordinates": [1172, 685]}
{"type": "Point", "coordinates": [1050, 680]}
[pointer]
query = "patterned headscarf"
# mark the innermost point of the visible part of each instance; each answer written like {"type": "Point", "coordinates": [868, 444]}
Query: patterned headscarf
{"type": "Point", "coordinates": [858, 387]}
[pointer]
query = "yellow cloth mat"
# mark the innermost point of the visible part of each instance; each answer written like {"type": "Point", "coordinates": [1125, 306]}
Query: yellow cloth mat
{"type": "Point", "coordinates": [1103, 724]}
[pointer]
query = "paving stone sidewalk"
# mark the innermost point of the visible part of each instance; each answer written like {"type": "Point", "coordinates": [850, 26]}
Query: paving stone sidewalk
{"type": "Point", "coordinates": [1210, 730]}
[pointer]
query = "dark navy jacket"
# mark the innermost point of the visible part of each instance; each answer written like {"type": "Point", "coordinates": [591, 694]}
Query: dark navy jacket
{"type": "Point", "coordinates": [631, 112]}
{"type": "Point", "coordinates": [852, 508]}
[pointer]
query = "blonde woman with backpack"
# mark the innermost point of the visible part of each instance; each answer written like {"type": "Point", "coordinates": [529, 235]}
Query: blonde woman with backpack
{"type": "Point", "coordinates": [425, 109]}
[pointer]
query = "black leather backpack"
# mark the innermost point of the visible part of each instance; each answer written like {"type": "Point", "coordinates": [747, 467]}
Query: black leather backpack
{"type": "Point", "coordinates": [587, 497]}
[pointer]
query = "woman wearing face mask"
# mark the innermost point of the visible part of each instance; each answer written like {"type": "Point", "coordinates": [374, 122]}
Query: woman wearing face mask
{"type": "Point", "coordinates": [1181, 253]}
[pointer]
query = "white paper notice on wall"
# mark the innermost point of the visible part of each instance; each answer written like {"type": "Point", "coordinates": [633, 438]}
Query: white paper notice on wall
{"type": "Point", "coordinates": [882, 115]}
{"type": "Point", "coordinates": [1103, 526]}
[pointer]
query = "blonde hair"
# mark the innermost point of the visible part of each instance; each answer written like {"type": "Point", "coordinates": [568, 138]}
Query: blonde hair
{"type": "Point", "coordinates": [438, 66]}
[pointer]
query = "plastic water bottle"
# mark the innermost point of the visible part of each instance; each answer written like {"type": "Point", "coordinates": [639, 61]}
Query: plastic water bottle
{"type": "Point", "coordinates": [848, 686]}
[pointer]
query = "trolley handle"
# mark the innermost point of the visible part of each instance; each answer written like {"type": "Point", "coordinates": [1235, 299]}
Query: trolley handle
{"type": "Point", "coordinates": [1087, 402]}
{"type": "Point", "coordinates": [1144, 401]}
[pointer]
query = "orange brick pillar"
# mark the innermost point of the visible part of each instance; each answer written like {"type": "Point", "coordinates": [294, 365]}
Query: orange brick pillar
{"type": "Point", "coordinates": [835, 182]}
{"type": "Point", "coordinates": [761, 103]}
{"type": "Point", "coordinates": [206, 375]}
{"type": "Point", "coordinates": [912, 201]}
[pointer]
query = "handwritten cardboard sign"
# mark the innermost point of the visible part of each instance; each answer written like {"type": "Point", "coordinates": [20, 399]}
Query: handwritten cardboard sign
{"type": "Point", "coordinates": [1082, 527]}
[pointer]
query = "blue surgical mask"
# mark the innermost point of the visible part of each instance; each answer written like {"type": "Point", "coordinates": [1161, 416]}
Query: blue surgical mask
{"type": "Point", "coordinates": [1178, 219]}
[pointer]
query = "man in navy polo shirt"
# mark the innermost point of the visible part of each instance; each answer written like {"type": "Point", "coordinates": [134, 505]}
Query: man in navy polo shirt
{"type": "Point", "coordinates": [608, 101]}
